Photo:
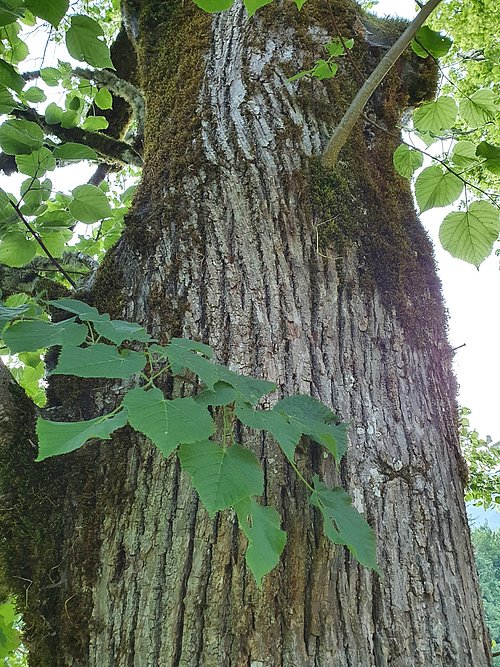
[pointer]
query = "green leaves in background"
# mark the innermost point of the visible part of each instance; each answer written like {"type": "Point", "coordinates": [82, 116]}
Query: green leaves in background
{"type": "Point", "coordinates": [83, 42]}
{"type": "Point", "coordinates": [429, 42]}
{"type": "Point", "coordinates": [15, 249]}
{"type": "Point", "coordinates": [11, 313]}
{"type": "Point", "coordinates": [167, 423]}
{"type": "Point", "coordinates": [89, 204]}
{"type": "Point", "coordinates": [406, 160]}
{"type": "Point", "coordinates": [10, 78]}
{"type": "Point", "coordinates": [436, 186]}
{"type": "Point", "coordinates": [435, 116]}
{"type": "Point", "coordinates": [222, 476]}
{"type": "Point", "coordinates": [266, 540]}
{"type": "Point", "coordinates": [491, 156]}
{"type": "Point", "coordinates": [49, 10]}
{"type": "Point", "coordinates": [20, 137]}
{"type": "Point", "coordinates": [344, 524]}
{"type": "Point", "coordinates": [470, 234]}
{"type": "Point", "coordinates": [479, 108]}
{"type": "Point", "coordinates": [10, 637]}
{"type": "Point", "coordinates": [55, 438]}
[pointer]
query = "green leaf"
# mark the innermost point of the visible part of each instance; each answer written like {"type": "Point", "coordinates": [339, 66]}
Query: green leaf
{"type": "Point", "coordinates": [20, 137]}
{"type": "Point", "coordinates": [479, 108]}
{"type": "Point", "coordinates": [15, 249]}
{"type": "Point", "coordinates": [436, 187]}
{"type": "Point", "coordinates": [114, 330]}
{"type": "Point", "coordinates": [183, 353]}
{"type": "Point", "coordinates": [293, 417]}
{"type": "Point", "coordinates": [7, 314]}
{"type": "Point", "coordinates": [336, 48]}
{"type": "Point", "coordinates": [56, 242]}
{"type": "Point", "coordinates": [253, 5]}
{"type": "Point", "coordinates": [10, 11]}
{"type": "Point", "coordinates": [10, 77]}
{"type": "Point", "coordinates": [317, 421]}
{"type": "Point", "coordinates": [103, 99]}
{"type": "Point", "coordinates": [266, 540]}
{"type": "Point", "coordinates": [118, 330]}
{"type": "Point", "coordinates": [491, 154]}
{"type": "Point", "coordinates": [7, 102]}
{"type": "Point", "coordinates": [37, 163]}
{"type": "Point", "coordinates": [222, 476]}
{"type": "Point", "coordinates": [429, 41]}
{"type": "Point", "coordinates": [167, 423]}
{"type": "Point", "coordinates": [435, 116]}
{"type": "Point", "coordinates": [71, 151]}
{"type": "Point", "coordinates": [464, 154]}
{"type": "Point", "coordinates": [323, 69]}
{"type": "Point", "coordinates": [406, 160]}
{"type": "Point", "coordinates": [83, 43]}
{"type": "Point", "coordinates": [94, 123]}
{"type": "Point", "coordinates": [48, 10]}
{"type": "Point", "coordinates": [50, 75]}
{"type": "Point", "coordinates": [299, 3]}
{"type": "Point", "coordinates": [344, 524]}
{"type": "Point", "coordinates": [83, 310]}
{"type": "Point", "coordinates": [221, 394]}
{"type": "Point", "coordinates": [53, 114]}
{"type": "Point", "coordinates": [470, 234]}
{"type": "Point", "coordinates": [55, 438]}
{"type": "Point", "coordinates": [99, 361]}
{"type": "Point", "coordinates": [32, 335]}
{"type": "Point", "coordinates": [34, 95]}
{"type": "Point", "coordinates": [213, 6]}
{"type": "Point", "coordinates": [89, 204]}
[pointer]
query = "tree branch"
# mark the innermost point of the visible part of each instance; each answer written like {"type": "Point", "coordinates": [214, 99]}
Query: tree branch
{"type": "Point", "coordinates": [109, 149]}
{"type": "Point", "coordinates": [42, 245]}
{"type": "Point", "coordinates": [353, 113]}
{"type": "Point", "coordinates": [121, 88]}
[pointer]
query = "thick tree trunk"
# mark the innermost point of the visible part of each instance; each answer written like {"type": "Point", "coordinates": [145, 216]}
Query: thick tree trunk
{"type": "Point", "coordinates": [320, 281]}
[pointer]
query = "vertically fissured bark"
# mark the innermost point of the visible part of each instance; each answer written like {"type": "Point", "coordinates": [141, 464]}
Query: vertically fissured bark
{"type": "Point", "coordinates": [322, 282]}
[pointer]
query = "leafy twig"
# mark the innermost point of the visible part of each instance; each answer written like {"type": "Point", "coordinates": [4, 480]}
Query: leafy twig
{"type": "Point", "coordinates": [42, 245]}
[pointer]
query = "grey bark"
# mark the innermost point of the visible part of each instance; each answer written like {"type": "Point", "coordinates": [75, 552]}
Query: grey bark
{"type": "Point", "coordinates": [226, 251]}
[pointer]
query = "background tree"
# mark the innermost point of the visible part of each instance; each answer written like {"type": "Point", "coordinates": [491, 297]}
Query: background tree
{"type": "Point", "coordinates": [319, 279]}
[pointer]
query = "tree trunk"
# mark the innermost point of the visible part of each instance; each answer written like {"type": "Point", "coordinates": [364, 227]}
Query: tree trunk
{"type": "Point", "coordinates": [320, 281]}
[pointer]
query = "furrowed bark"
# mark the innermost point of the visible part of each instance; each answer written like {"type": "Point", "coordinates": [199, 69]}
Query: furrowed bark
{"type": "Point", "coordinates": [322, 281]}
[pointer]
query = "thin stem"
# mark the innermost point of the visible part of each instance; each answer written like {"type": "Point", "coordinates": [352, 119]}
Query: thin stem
{"type": "Point", "coordinates": [347, 51]}
{"type": "Point", "coordinates": [352, 115]}
{"type": "Point", "coordinates": [491, 197]}
{"type": "Point", "coordinates": [42, 245]}
{"type": "Point", "coordinates": [300, 475]}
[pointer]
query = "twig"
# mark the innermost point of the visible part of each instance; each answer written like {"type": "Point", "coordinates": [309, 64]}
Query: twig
{"type": "Point", "coordinates": [353, 113]}
{"type": "Point", "coordinates": [104, 145]}
{"type": "Point", "coordinates": [491, 197]}
{"type": "Point", "coordinates": [42, 245]}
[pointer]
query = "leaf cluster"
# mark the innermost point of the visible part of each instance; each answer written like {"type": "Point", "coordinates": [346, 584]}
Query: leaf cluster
{"type": "Point", "coordinates": [225, 474]}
